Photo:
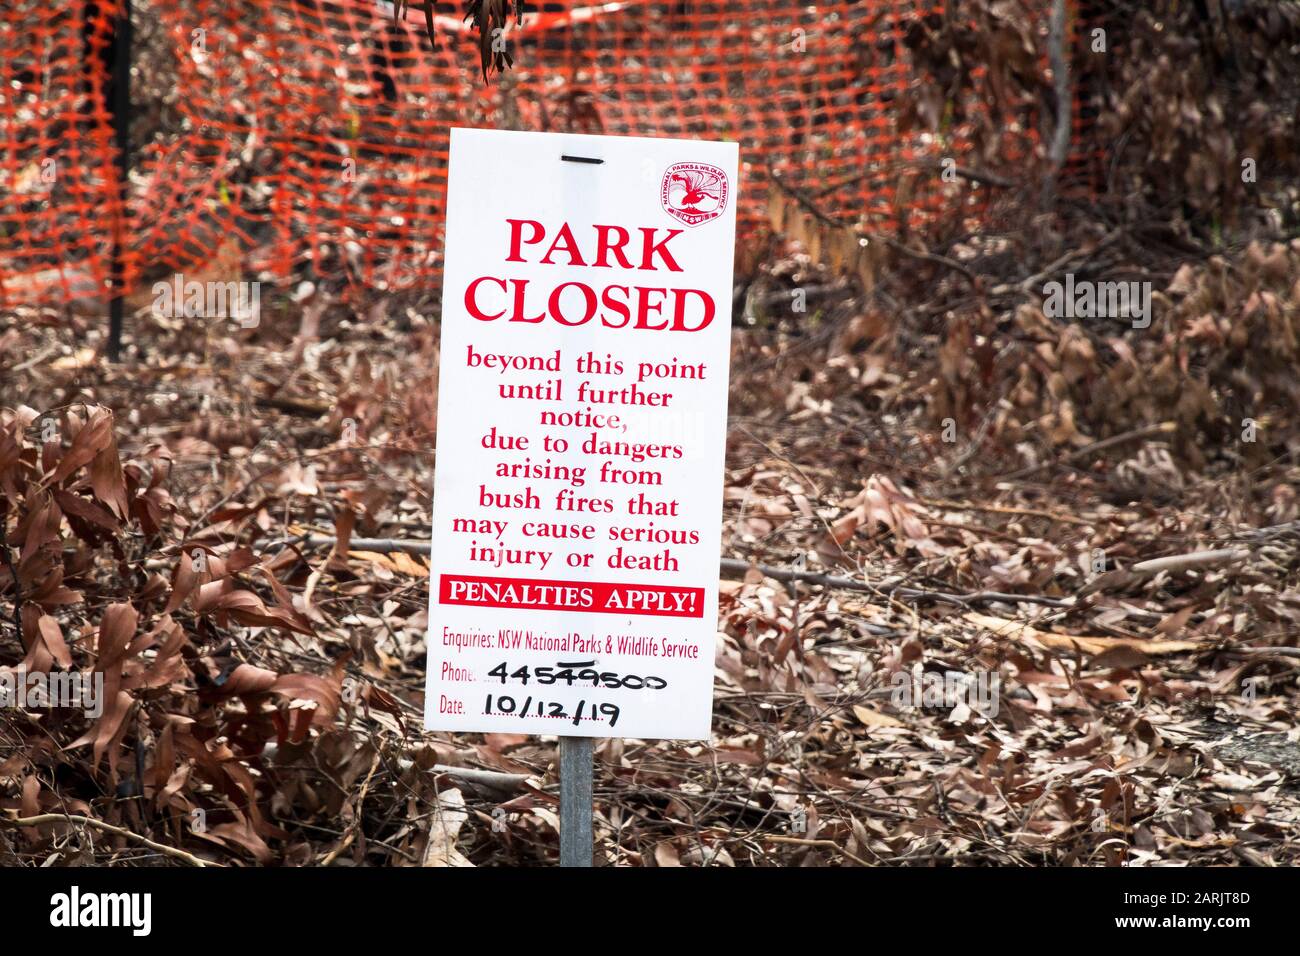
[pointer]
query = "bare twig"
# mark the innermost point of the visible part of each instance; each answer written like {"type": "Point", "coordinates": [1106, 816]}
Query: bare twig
{"type": "Point", "coordinates": [829, 844]}
{"type": "Point", "coordinates": [351, 836]}
{"type": "Point", "coordinates": [1136, 434]}
{"type": "Point", "coordinates": [817, 213]}
{"type": "Point", "coordinates": [975, 176]}
{"type": "Point", "coordinates": [929, 257]}
{"type": "Point", "coordinates": [1027, 284]}
{"type": "Point", "coordinates": [109, 828]}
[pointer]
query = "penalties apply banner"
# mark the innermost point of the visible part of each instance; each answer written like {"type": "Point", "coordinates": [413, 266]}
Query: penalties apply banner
{"type": "Point", "coordinates": [581, 434]}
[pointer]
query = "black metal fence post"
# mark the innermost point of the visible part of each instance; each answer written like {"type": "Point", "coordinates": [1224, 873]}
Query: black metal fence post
{"type": "Point", "coordinates": [120, 109]}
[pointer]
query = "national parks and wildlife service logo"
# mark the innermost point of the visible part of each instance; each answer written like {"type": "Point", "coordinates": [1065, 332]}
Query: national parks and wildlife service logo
{"type": "Point", "coordinates": [694, 192]}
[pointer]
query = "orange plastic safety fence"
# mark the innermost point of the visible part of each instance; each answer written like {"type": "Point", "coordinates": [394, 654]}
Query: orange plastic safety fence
{"type": "Point", "coordinates": [314, 133]}
{"type": "Point", "coordinates": [59, 185]}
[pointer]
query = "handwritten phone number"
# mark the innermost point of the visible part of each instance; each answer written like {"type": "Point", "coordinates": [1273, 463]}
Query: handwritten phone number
{"type": "Point", "coordinates": [576, 672]}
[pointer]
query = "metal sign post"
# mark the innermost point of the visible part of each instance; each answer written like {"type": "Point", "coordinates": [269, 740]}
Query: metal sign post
{"type": "Point", "coordinates": [575, 801]}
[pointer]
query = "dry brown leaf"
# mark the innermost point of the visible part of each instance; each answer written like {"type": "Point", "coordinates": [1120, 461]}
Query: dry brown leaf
{"type": "Point", "coordinates": [874, 720]}
{"type": "Point", "coordinates": [444, 829]}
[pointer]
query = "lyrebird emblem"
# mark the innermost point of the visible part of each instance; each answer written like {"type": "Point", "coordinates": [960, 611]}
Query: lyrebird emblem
{"type": "Point", "coordinates": [694, 192]}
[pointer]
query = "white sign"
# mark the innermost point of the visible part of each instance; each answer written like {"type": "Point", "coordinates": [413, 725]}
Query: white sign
{"type": "Point", "coordinates": [581, 432]}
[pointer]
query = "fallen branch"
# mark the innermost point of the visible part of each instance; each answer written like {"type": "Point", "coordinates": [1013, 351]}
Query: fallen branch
{"type": "Point", "coordinates": [1263, 652]}
{"type": "Point", "coordinates": [1005, 510]}
{"type": "Point", "coordinates": [1016, 631]}
{"type": "Point", "coordinates": [36, 359]}
{"type": "Point", "coordinates": [1271, 531]}
{"type": "Point", "coordinates": [110, 828]}
{"type": "Point", "coordinates": [809, 291]}
{"type": "Point", "coordinates": [1197, 559]}
{"type": "Point", "coordinates": [937, 168]}
{"type": "Point", "coordinates": [294, 406]}
{"type": "Point", "coordinates": [492, 779]}
{"type": "Point", "coordinates": [381, 545]}
{"type": "Point", "coordinates": [735, 566]}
